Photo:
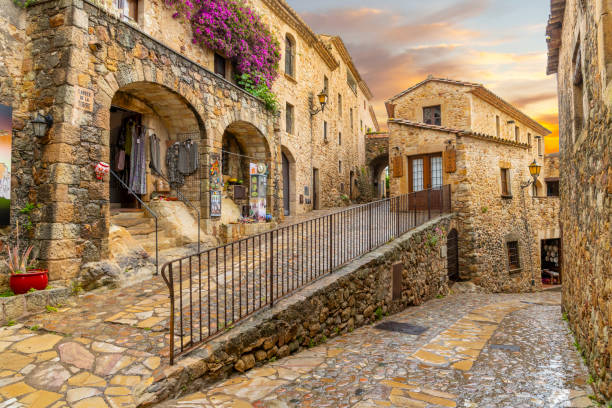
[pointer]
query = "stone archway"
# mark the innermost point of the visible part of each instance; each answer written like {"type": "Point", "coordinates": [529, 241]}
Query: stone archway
{"type": "Point", "coordinates": [377, 167]}
{"type": "Point", "coordinates": [245, 153]}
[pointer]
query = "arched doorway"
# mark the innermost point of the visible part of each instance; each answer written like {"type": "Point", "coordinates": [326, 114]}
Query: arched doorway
{"type": "Point", "coordinates": [286, 186]}
{"type": "Point", "coordinates": [246, 169]}
{"type": "Point", "coordinates": [452, 255]}
{"type": "Point", "coordinates": [146, 119]}
{"type": "Point", "coordinates": [288, 177]}
{"type": "Point", "coordinates": [379, 170]}
{"type": "Point", "coordinates": [150, 127]}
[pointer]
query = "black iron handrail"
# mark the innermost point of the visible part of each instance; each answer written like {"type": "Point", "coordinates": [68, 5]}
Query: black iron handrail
{"type": "Point", "coordinates": [215, 289]}
{"type": "Point", "coordinates": [153, 214]}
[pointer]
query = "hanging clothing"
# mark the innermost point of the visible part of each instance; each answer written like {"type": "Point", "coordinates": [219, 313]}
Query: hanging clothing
{"type": "Point", "coordinates": [119, 159]}
{"type": "Point", "coordinates": [188, 157]}
{"type": "Point", "coordinates": [172, 162]}
{"type": "Point", "coordinates": [138, 169]}
{"type": "Point", "coordinates": [129, 134]}
{"type": "Point", "coordinates": [155, 153]}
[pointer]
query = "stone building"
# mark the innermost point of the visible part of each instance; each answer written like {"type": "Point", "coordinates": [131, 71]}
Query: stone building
{"type": "Point", "coordinates": [443, 131]}
{"type": "Point", "coordinates": [579, 36]}
{"type": "Point", "coordinates": [99, 70]}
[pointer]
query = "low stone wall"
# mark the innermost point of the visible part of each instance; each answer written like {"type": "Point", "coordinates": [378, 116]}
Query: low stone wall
{"type": "Point", "coordinates": [358, 294]}
{"type": "Point", "coordinates": [16, 307]}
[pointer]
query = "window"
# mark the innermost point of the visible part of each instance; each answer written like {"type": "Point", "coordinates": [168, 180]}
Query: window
{"type": "Point", "coordinates": [517, 134]}
{"type": "Point", "coordinates": [340, 166]}
{"type": "Point", "coordinates": [342, 188]}
{"type": "Point", "coordinates": [497, 126]}
{"type": "Point", "coordinates": [505, 183]}
{"type": "Point", "coordinates": [514, 261]}
{"type": "Point", "coordinates": [539, 146]}
{"type": "Point", "coordinates": [432, 115]}
{"type": "Point", "coordinates": [289, 56]}
{"type": "Point", "coordinates": [339, 105]}
{"type": "Point", "coordinates": [129, 8]}
{"type": "Point", "coordinates": [364, 105]}
{"type": "Point", "coordinates": [350, 80]}
{"type": "Point", "coordinates": [361, 125]}
{"type": "Point", "coordinates": [552, 188]}
{"type": "Point", "coordinates": [529, 139]}
{"type": "Point", "coordinates": [325, 83]}
{"type": "Point", "coordinates": [425, 171]}
{"type": "Point", "coordinates": [289, 117]}
{"type": "Point", "coordinates": [325, 131]}
{"type": "Point", "coordinates": [219, 65]}
{"type": "Point", "coordinates": [339, 138]}
{"type": "Point", "coordinates": [578, 92]}
{"type": "Point", "coordinates": [351, 118]}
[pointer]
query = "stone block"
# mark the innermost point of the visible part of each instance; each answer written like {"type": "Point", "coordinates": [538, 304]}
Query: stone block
{"type": "Point", "coordinates": [58, 153]}
{"type": "Point", "coordinates": [14, 307]}
{"type": "Point", "coordinates": [58, 249]}
{"type": "Point", "coordinates": [36, 301]}
{"type": "Point", "coordinates": [61, 270]}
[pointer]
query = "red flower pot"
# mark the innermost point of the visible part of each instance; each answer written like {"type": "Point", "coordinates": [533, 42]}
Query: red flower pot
{"type": "Point", "coordinates": [23, 282]}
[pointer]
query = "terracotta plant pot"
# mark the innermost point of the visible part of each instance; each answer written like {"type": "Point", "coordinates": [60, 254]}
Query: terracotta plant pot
{"type": "Point", "coordinates": [35, 279]}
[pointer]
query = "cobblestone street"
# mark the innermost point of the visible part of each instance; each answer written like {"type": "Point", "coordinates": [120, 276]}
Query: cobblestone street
{"type": "Point", "coordinates": [477, 351]}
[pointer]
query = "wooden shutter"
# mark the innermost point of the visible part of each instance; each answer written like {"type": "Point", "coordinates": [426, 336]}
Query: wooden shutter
{"type": "Point", "coordinates": [450, 160]}
{"type": "Point", "coordinates": [398, 167]}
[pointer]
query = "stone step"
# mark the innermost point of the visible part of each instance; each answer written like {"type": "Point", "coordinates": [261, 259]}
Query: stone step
{"type": "Point", "coordinates": [163, 244]}
{"type": "Point", "coordinates": [129, 219]}
{"type": "Point", "coordinates": [145, 228]}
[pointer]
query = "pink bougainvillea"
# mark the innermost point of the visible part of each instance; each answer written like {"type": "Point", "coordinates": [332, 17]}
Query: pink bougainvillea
{"type": "Point", "coordinates": [232, 29]}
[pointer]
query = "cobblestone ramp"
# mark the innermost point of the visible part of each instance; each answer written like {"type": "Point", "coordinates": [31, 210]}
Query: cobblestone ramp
{"type": "Point", "coordinates": [453, 364]}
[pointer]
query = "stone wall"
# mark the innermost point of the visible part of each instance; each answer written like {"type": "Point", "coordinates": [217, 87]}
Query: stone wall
{"type": "Point", "coordinates": [315, 59]}
{"type": "Point", "coordinates": [75, 46]}
{"type": "Point", "coordinates": [586, 182]}
{"type": "Point", "coordinates": [486, 220]}
{"type": "Point", "coordinates": [358, 294]}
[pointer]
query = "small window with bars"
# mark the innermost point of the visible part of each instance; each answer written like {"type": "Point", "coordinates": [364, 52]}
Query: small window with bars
{"type": "Point", "coordinates": [514, 261]}
{"type": "Point", "coordinates": [432, 115]}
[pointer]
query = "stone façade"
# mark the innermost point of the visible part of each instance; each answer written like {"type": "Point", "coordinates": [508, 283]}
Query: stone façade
{"type": "Point", "coordinates": [486, 219]}
{"type": "Point", "coordinates": [56, 48]}
{"type": "Point", "coordinates": [586, 174]}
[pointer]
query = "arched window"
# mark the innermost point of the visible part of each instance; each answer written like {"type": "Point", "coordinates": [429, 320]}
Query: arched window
{"type": "Point", "coordinates": [289, 56]}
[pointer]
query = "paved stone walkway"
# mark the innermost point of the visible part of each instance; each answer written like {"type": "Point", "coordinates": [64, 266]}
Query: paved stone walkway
{"type": "Point", "coordinates": [477, 351]}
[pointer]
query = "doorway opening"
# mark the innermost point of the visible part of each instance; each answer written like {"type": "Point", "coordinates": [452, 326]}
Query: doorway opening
{"type": "Point", "coordinates": [452, 255]}
{"type": "Point", "coordinates": [550, 251]}
{"type": "Point", "coordinates": [315, 189]}
{"type": "Point", "coordinates": [123, 124]}
{"type": "Point", "coordinates": [286, 186]}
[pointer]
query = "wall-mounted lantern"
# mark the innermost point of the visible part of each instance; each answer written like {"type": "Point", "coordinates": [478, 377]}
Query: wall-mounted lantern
{"type": "Point", "coordinates": [534, 171]}
{"type": "Point", "coordinates": [41, 125]}
{"type": "Point", "coordinates": [322, 98]}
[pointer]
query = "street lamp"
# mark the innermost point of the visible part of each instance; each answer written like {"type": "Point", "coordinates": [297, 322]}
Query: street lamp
{"type": "Point", "coordinates": [534, 171]}
{"type": "Point", "coordinates": [322, 97]}
{"type": "Point", "coordinates": [41, 124]}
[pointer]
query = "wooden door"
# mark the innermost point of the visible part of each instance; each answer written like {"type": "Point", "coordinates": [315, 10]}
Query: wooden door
{"type": "Point", "coordinates": [286, 186]}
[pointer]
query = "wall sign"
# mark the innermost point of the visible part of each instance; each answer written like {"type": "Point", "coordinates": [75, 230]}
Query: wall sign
{"type": "Point", "coordinates": [216, 185]}
{"type": "Point", "coordinates": [6, 130]}
{"type": "Point", "coordinates": [84, 99]}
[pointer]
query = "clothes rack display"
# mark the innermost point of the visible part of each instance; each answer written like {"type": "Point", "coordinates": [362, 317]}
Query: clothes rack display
{"type": "Point", "coordinates": [138, 168]}
{"type": "Point", "coordinates": [182, 159]}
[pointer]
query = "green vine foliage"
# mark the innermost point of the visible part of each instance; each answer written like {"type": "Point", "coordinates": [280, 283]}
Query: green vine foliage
{"type": "Point", "coordinates": [24, 3]}
{"type": "Point", "coordinates": [261, 91]}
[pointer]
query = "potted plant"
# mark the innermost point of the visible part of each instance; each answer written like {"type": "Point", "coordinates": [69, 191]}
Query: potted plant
{"type": "Point", "coordinates": [22, 278]}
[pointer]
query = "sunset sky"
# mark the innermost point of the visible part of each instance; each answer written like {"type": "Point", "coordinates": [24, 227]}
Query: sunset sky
{"type": "Point", "coordinates": [397, 43]}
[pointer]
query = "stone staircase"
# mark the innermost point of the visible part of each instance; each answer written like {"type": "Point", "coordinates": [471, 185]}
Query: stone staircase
{"type": "Point", "coordinates": [141, 227]}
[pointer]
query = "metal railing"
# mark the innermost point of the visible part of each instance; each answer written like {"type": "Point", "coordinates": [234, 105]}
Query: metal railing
{"type": "Point", "coordinates": [213, 290]}
{"type": "Point", "coordinates": [146, 207]}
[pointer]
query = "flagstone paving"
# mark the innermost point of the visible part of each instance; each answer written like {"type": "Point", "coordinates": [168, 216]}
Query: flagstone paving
{"type": "Point", "coordinates": [478, 351]}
